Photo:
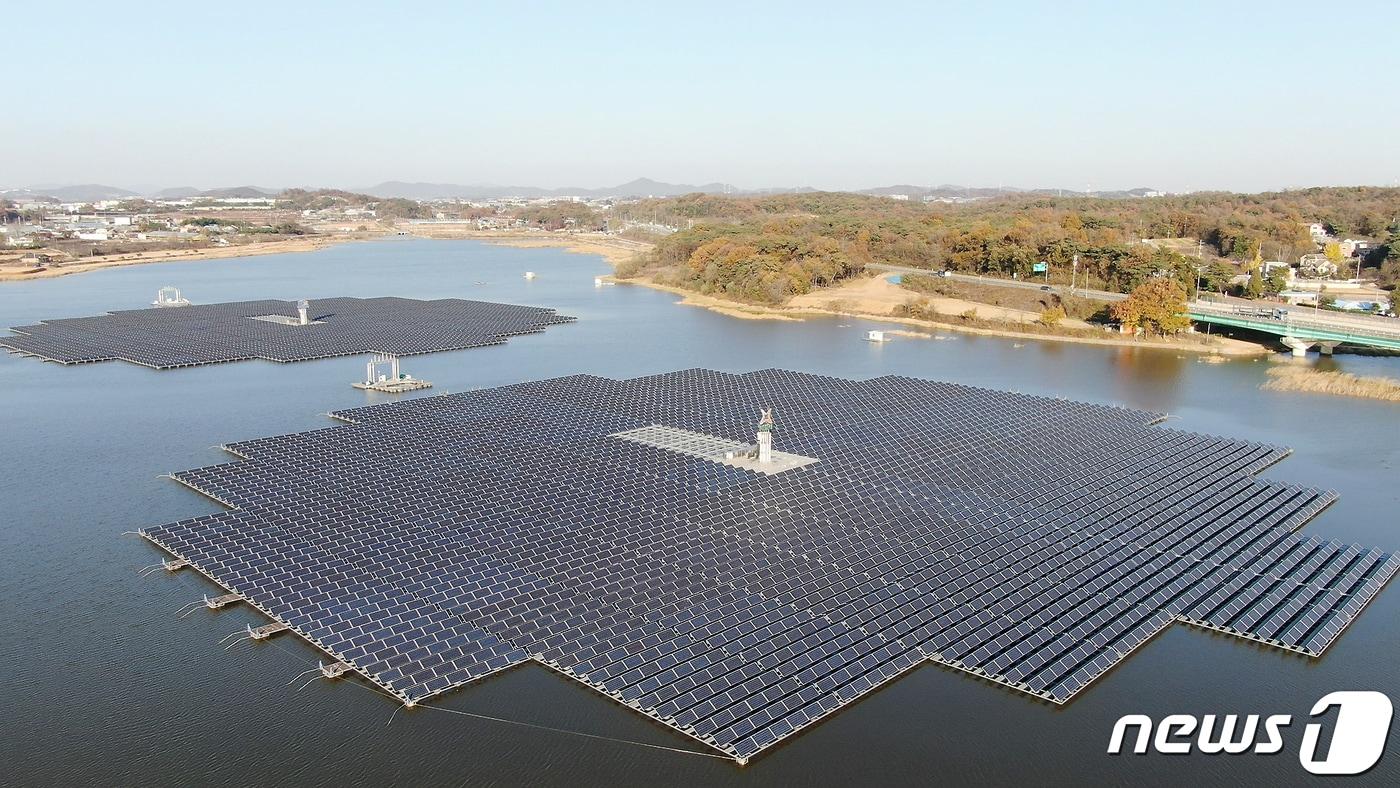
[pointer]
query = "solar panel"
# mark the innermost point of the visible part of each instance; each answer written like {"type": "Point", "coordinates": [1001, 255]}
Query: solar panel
{"type": "Point", "coordinates": [165, 338]}
{"type": "Point", "coordinates": [598, 527]}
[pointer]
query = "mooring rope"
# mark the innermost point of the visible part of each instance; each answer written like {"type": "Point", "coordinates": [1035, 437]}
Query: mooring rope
{"type": "Point", "coordinates": [579, 733]}
{"type": "Point", "coordinates": [490, 718]}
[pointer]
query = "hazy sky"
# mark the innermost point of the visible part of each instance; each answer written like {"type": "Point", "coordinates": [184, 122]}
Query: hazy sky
{"type": "Point", "coordinates": [1173, 95]}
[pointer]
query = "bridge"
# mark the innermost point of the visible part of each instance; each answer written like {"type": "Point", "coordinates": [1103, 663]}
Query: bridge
{"type": "Point", "coordinates": [1300, 329]}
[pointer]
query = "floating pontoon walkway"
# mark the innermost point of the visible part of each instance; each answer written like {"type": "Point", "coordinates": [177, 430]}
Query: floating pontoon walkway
{"type": "Point", "coordinates": [1028, 541]}
{"type": "Point", "coordinates": [165, 338]}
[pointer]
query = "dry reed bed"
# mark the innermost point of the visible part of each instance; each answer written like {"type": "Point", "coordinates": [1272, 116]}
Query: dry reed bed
{"type": "Point", "coordinates": [1340, 383]}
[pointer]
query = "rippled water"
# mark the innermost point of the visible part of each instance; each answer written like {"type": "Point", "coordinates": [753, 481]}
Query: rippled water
{"type": "Point", "coordinates": [103, 684]}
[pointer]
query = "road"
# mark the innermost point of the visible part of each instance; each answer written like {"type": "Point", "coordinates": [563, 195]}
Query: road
{"type": "Point", "coordinates": [1025, 284]}
{"type": "Point", "coordinates": [1300, 316]}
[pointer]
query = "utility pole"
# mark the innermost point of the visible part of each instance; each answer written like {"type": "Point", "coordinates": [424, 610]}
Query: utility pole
{"type": "Point", "coordinates": [1074, 273]}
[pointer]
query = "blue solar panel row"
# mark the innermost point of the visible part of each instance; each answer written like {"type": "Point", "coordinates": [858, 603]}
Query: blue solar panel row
{"type": "Point", "coordinates": [168, 337]}
{"type": "Point", "coordinates": [1030, 541]}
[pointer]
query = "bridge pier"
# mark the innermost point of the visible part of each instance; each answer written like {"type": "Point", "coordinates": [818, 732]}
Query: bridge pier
{"type": "Point", "coordinates": [1300, 346]}
{"type": "Point", "coordinates": [1325, 348]}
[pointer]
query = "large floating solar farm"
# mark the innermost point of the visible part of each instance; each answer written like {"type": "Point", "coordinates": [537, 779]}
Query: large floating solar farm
{"type": "Point", "coordinates": [608, 529]}
{"type": "Point", "coordinates": [165, 338]}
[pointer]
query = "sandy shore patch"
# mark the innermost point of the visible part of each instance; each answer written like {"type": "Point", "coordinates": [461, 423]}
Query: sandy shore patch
{"type": "Point", "coordinates": [614, 250]}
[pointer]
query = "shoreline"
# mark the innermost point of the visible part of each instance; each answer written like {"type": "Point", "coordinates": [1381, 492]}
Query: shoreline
{"type": "Point", "coordinates": [614, 251]}
{"type": "Point", "coordinates": [1228, 348]}
{"type": "Point", "coordinates": [618, 250]}
{"type": "Point", "coordinates": [87, 264]}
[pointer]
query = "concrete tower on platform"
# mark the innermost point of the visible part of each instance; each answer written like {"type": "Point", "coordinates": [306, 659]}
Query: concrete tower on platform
{"type": "Point", "coordinates": [765, 436]}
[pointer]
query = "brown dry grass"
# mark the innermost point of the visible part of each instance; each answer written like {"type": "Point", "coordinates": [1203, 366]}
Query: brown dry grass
{"type": "Point", "coordinates": [1342, 384]}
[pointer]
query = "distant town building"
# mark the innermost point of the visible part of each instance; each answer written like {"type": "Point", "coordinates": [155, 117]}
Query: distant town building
{"type": "Point", "coordinates": [1316, 266]}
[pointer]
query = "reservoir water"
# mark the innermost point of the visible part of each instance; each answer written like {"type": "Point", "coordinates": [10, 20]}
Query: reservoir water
{"type": "Point", "coordinates": [103, 684]}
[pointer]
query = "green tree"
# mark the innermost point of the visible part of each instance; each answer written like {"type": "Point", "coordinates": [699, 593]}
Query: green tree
{"type": "Point", "coordinates": [1255, 288]}
{"type": "Point", "coordinates": [1217, 276]}
{"type": "Point", "coordinates": [401, 208]}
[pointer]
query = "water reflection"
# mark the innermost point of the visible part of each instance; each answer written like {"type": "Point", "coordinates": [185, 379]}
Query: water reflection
{"type": "Point", "coordinates": [1150, 377]}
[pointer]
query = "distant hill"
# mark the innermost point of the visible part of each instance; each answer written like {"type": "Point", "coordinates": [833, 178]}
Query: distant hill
{"type": "Point", "coordinates": [949, 191]}
{"type": "Point", "coordinates": [239, 191]}
{"type": "Point", "coordinates": [83, 192]}
{"type": "Point", "coordinates": [641, 187]}
{"type": "Point", "coordinates": [25, 194]}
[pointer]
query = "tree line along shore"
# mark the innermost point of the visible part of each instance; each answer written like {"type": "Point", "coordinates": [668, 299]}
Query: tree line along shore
{"type": "Point", "coordinates": [780, 256]}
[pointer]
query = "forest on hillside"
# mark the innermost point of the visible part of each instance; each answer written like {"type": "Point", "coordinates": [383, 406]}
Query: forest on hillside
{"type": "Point", "coordinates": [765, 249]}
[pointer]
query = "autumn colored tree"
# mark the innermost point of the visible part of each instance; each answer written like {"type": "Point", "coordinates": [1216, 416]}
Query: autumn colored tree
{"type": "Point", "coordinates": [995, 235]}
{"type": "Point", "coordinates": [1333, 250]}
{"type": "Point", "coordinates": [1159, 305]}
{"type": "Point", "coordinates": [1257, 260]}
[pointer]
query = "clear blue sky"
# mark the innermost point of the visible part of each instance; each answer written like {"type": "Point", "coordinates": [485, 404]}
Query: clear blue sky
{"type": "Point", "coordinates": [1174, 95]}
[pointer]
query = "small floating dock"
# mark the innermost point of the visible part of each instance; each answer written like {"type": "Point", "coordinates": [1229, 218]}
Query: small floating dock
{"type": "Point", "coordinates": [214, 603]}
{"type": "Point", "coordinates": [392, 382]}
{"type": "Point", "coordinates": [875, 336]}
{"type": "Point", "coordinates": [267, 630]}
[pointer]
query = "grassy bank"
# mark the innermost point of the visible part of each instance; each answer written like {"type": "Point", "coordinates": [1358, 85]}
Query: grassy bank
{"type": "Point", "coordinates": [1342, 384]}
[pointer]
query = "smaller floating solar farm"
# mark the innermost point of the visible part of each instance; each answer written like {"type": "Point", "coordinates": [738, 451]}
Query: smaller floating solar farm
{"type": "Point", "coordinates": [615, 531]}
{"type": "Point", "coordinates": [164, 338]}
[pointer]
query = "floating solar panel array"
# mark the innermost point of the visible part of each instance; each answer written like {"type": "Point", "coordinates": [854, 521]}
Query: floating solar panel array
{"type": "Point", "coordinates": [212, 333]}
{"type": "Point", "coordinates": [1033, 542]}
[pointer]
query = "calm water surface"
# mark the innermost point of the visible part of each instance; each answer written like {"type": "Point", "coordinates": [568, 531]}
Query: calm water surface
{"type": "Point", "coordinates": [104, 684]}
